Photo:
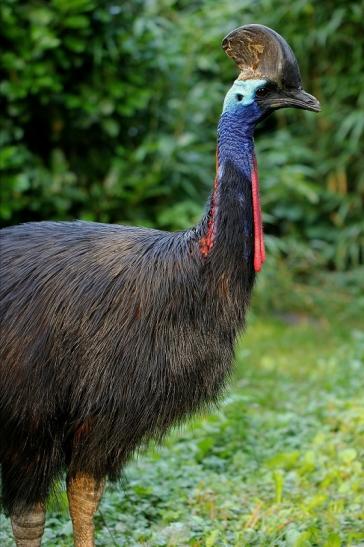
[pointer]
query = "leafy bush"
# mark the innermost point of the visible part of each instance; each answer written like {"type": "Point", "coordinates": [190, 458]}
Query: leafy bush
{"type": "Point", "coordinates": [110, 109]}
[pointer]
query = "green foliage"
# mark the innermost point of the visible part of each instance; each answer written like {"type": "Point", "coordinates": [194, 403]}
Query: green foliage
{"type": "Point", "coordinates": [110, 109]}
{"type": "Point", "coordinates": [108, 113]}
{"type": "Point", "coordinates": [280, 463]}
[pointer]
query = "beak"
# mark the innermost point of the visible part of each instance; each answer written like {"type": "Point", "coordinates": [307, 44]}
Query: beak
{"type": "Point", "coordinates": [296, 98]}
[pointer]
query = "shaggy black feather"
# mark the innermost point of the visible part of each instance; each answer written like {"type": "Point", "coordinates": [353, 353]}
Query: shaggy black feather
{"type": "Point", "coordinates": [111, 334]}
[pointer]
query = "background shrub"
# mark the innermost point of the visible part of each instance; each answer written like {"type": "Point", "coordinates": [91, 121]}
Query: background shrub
{"type": "Point", "coordinates": [109, 113]}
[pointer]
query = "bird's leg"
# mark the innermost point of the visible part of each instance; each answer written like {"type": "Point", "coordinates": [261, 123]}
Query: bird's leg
{"type": "Point", "coordinates": [28, 527]}
{"type": "Point", "coordinates": [84, 494]}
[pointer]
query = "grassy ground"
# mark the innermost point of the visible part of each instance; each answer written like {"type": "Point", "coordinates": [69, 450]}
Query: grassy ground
{"type": "Point", "coordinates": [279, 464]}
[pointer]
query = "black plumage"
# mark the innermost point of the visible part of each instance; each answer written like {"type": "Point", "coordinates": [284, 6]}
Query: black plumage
{"type": "Point", "coordinates": [111, 334]}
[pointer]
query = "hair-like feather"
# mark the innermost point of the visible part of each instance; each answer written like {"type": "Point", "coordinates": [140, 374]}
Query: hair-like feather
{"type": "Point", "coordinates": [111, 334]}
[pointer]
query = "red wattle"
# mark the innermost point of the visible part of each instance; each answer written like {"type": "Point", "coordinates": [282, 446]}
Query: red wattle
{"type": "Point", "coordinates": [259, 249]}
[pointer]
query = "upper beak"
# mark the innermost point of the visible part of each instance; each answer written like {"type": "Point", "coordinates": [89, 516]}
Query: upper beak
{"type": "Point", "coordinates": [296, 98]}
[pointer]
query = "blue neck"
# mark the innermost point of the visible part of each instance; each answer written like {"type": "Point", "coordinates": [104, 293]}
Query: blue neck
{"type": "Point", "coordinates": [227, 231]}
{"type": "Point", "coordinates": [235, 140]}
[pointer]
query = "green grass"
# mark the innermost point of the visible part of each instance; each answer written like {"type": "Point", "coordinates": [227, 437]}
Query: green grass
{"type": "Point", "coordinates": [280, 463]}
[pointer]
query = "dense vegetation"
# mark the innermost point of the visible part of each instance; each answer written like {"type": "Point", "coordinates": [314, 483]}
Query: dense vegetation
{"type": "Point", "coordinates": [110, 109]}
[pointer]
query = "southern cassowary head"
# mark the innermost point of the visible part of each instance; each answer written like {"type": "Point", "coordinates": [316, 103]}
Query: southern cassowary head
{"type": "Point", "coordinates": [269, 74]}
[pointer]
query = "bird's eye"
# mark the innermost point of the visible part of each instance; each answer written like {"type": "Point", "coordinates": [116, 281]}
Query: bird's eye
{"type": "Point", "coordinates": [239, 97]}
{"type": "Point", "coordinates": [262, 92]}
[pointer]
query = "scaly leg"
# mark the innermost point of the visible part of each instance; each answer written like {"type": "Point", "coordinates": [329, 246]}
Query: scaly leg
{"type": "Point", "coordinates": [28, 527]}
{"type": "Point", "coordinates": [84, 494]}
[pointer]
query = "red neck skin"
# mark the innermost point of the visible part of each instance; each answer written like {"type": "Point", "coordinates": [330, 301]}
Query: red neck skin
{"type": "Point", "coordinates": [259, 248]}
{"type": "Point", "coordinates": [207, 240]}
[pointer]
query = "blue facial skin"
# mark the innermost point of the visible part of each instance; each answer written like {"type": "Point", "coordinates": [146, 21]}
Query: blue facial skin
{"type": "Point", "coordinates": [237, 123]}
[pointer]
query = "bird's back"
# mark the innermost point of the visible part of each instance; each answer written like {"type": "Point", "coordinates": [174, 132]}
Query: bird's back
{"type": "Point", "coordinates": [108, 324]}
{"type": "Point", "coordinates": [65, 284]}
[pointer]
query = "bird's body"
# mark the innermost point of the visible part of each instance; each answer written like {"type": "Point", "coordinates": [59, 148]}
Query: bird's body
{"type": "Point", "coordinates": [126, 331]}
{"type": "Point", "coordinates": [111, 334]}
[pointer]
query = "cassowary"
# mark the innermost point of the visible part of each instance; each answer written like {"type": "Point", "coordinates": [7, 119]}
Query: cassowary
{"type": "Point", "coordinates": [111, 334]}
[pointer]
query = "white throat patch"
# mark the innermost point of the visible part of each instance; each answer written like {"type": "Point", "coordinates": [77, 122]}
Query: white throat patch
{"type": "Point", "coordinates": [242, 88]}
